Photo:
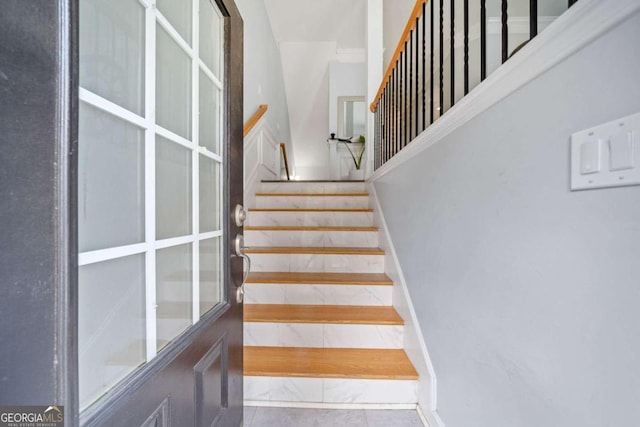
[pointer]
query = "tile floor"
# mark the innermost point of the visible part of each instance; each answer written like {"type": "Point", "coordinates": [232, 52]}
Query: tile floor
{"type": "Point", "coordinates": [297, 417]}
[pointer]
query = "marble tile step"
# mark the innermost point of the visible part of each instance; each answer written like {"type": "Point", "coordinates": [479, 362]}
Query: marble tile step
{"type": "Point", "coordinates": [328, 335]}
{"type": "Point", "coordinates": [316, 187]}
{"type": "Point", "coordinates": [303, 362]}
{"type": "Point", "coordinates": [321, 294]}
{"type": "Point", "coordinates": [338, 314]}
{"type": "Point", "coordinates": [313, 201]}
{"type": "Point", "coordinates": [310, 217]}
{"type": "Point", "coordinates": [311, 236]}
{"type": "Point", "coordinates": [316, 259]}
{"type": "Point", "coordinates": [330, 391]}
{"type": "Point", "coordinates": [319, 288]}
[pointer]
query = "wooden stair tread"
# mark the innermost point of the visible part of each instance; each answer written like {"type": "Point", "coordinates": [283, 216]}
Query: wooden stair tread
{"type": "Point", "coordinates": [313, 250]}
{"type": "Point", "coordinates": [307, 210]}
{"type": "Point", "coordinates": [328, 363]}
{"type": "Point", "coordinates": [312, 194]}
{"type": "Point", "coordinates": [293, 278]}
{"type": "Point", "coordinates": [335, 314]}
{"type": "Point", "coordinates": [297, 228]}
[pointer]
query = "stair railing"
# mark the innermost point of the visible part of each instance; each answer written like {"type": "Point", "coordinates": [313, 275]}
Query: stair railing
{"type": "Point", "coordinates": [283, 150]}
{"type": "Point", "coordinates": [423, 81]}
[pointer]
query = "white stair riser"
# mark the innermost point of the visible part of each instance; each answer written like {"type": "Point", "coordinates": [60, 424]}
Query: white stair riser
{"type": "Point", "coordinates": [322, 335]}
{"type": "Point", "coordinates": [317, 263]}
{"type": "Point", "coordinates": [312, 202]}
{"type": "Point", "coordinates": [310, 219]}
{"type": "Point", "coordinates": [352, 239]}
{"type": "Point", "coordinates": [257, 293]}
{"type": "Point", "coordinates": [313, 187]}
{"type": "Point", "coordinates": [329, 390]}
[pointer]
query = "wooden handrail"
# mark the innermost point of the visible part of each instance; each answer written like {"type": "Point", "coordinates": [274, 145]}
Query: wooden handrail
{"type": "Point", "coordinates": [411, 23]}
{"type": "Point", "coordinates": [283, 148]}
{"type": "Point", "coordinates": [254, 119]}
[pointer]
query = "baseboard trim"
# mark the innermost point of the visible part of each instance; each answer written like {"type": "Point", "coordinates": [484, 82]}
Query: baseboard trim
{"type": "Point", "coordinates": [430, 418]}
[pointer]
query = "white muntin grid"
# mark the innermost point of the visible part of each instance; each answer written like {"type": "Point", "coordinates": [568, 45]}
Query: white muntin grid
{"type": "Point", "coordinates": [148, 123]}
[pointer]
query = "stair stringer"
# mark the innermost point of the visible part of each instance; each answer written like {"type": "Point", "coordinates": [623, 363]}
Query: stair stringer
{"type": "Point", "coordinates": [414, 344]}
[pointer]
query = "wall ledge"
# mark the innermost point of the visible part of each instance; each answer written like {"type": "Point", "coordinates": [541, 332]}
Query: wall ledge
{"type": "Point", "coordinates": [577, 27]}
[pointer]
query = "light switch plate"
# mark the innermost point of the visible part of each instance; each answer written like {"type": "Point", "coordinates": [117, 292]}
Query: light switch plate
{"type": "Point", "coordinates": [607, 155]}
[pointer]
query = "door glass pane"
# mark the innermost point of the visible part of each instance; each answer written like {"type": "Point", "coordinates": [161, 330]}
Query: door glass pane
{"type": "Point", "coordinates": [173, 292]}
{"type": "Point", "coordinates": [173, 85]}
{"type": "Point", "coordinates": [210, 36]}
{"type": "Point", "coordinates": [209, 195]}
{"type": "Point", "coordinates": [210, 289]}
{"type": "Point", "coordinates": [173, 189]}
{"type": "Point", "coordinates": [209, 114]}
{"type": "Point", "coordinates": [112, 51]}
{"type": "Point", "coordinates": [111, 324]}
{"type": "Point", "coordinates": [111, 181]}
{"type": "Point", "coordinates": [178, 13]}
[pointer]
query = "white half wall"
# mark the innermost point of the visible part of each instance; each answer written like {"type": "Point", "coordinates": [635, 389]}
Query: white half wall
{"type": "Point", "coordinates": [526, 292]}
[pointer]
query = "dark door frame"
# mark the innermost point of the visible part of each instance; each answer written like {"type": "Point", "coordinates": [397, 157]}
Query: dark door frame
{"type": "Point", "coordinates": [38, 166]}
{"type": "Point", "coordinates": [38, 203]}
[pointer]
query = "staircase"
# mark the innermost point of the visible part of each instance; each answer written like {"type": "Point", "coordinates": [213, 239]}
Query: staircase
{"type": "Point", "coordinates": [319, 323]}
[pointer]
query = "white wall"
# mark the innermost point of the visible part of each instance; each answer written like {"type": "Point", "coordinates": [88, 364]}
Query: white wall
{"type": "Point", "coordinates": [263, 76]}
{"type": "Point", "coordinates": [306, 71]}
{"type": "Point", "coordinates": [527, 293]}
{"type": "Point", "coordinates": [395, 16]}
{"type": "Point", "coordinates": [345, 79]}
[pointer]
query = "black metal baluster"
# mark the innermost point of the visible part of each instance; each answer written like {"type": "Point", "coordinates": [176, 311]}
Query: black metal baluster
{"type": "Point", "coordinates": [505, 31]}
{"type": "Point", "coordinates": [388, 120]}
{"type": "Point", "coordinates": [391, 114]}
{"type": "Point", "coordinates": [432, 57]}
{"type": "Point", "coordinates": [424, 64]}
{"type": "Point", "coordinates": [441, 110]}
{"type": "Point", "coordinates": [385, 117]}
{"type": "Point", "coordinates": [377, 134]}
{"type": "Point", "coordinates": [389, 117]}
{"type": "Point", "coordinates": [403, 82]}
{"type": "Point", "coordinates": [405, 68]}
{"type": "Point", "coordinates": [452, 52]}
{"type": "Point", "coordinates": [417, 104]}
{"type": "Point", "coordinates": [533, 18]}
{"type": "Point", "coordinates": [410, 80]}
{"type": "Point", "coordinates": [466, 47]}
{"type": "Point", "coordinates": [483, 39]}
{"type": "Point", "coordinates": [380, 112]}
{"type": "Point", "coordinates": [397, 106]}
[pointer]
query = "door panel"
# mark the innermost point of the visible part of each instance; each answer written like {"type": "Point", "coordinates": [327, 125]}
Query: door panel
{"type": "Point", "coordinates": [160, 327]}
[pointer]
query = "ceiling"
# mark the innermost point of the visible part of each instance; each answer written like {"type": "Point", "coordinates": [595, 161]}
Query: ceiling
{"type": "Point", "coordinates": [342, 21]}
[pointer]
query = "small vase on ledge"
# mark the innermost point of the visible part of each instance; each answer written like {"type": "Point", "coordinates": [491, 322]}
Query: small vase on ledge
{"type": "Point", "coordinates": [356, 174]}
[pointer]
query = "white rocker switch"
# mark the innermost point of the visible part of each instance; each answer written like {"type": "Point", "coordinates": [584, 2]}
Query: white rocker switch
{"type": "Point", "coordinates": [621, 151]}
{"type": "Point", "coordinates": [590, 153]}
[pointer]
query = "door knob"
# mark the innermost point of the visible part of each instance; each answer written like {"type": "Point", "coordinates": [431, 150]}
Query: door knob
{"type": "Point", "coordinates": [240, 215]}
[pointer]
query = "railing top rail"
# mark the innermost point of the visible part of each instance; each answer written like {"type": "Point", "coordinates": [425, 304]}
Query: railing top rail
{"type": "Point", "coordinates": [411, 23]}
{"type": "Point", "coordinates": [254, 119]}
